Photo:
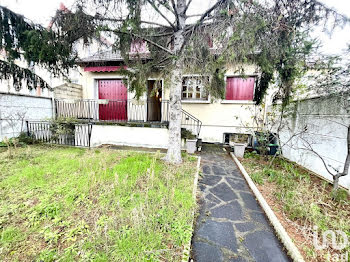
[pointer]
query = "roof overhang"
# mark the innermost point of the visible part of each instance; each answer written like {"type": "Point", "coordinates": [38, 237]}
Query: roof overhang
{"type": "Point", "coordinates": [103, 68]}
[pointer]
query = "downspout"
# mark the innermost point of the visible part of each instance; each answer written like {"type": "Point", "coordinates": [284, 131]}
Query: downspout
{"type": "Point", "coordinates": [54, 116]}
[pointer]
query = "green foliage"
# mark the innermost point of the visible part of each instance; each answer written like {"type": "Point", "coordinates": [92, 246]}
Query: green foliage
{"type": "Point", "coordinates": [187, 134]}
{"type": "Point", "coordinates": [218, 84]}
{"type": "Point", "coordinates": [25, 139]}
{"type": "Point", "coordinates": [258, 178]}
{"type": "Point", "coordinates": [93, 205]}
{"type": "Point", "coordinates": [49, 50]}
{"type": "Point", "coordinates": [340, 195]}
{"type": "Point", "coordinates": [9, 70]}
{"type": "Point", "coordinates": [10, 235]}
{"type": "Point", "coordinates": [62, 126]}
{"type": "Point", "coordinates": [20, 38]}
{"type": "Point", "coordinates": [262, 85]}
{"type": "Point", "coordinates": [137, 79]}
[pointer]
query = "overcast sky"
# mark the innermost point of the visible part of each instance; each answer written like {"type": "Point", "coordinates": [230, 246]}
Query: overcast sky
{"type": "Point", "coordinates": [41, 11]}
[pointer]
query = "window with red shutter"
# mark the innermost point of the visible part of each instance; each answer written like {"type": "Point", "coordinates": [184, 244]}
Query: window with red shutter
{"type": "Point", "coordinates": [238, 88]}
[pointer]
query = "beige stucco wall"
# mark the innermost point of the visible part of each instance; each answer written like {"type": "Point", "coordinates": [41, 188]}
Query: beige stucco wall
{"type": "Point", "coordinates": [217, 116]}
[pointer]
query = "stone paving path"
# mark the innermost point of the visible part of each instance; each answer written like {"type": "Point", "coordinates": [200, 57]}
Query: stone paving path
{"type": "Point", "coordinates": [231, 225]}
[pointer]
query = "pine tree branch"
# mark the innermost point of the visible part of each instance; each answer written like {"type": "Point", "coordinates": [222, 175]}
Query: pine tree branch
{"type": "Point", "coordinates": [9, 70]}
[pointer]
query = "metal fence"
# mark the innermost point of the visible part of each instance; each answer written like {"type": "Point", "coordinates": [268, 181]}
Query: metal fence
{"type": "Point", "coordinates": [45, 131]}
{"type": "Point", "coordinates": [102, 110]}
{"type": "Point", "coordinates": [97, 110]}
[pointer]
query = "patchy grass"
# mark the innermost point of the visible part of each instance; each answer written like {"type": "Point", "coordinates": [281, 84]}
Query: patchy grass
{"type": "Point", "coordinates": [301, 201]}
{"type": "Point", "coordinates": [103, 205]}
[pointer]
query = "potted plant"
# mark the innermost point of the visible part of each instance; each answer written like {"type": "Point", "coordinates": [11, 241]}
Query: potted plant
{"type": "Point", "coordinates": [189, 141]}
{"type": "Point", "coordinates": [239, 143]}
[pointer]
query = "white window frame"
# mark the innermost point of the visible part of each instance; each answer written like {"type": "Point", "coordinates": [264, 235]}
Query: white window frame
{"type": "Point", "coordinates": [194, 100]}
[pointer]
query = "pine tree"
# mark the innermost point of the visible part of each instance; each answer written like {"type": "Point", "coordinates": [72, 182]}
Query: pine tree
{"type": "Point", "coordinates": [22, 40]}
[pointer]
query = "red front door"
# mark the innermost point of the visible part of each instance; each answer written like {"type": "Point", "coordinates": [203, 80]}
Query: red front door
{"type": "Point", "coordinates": [116, 92]}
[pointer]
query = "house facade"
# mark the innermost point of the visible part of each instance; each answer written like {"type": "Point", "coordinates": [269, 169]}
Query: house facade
{"type": "Point", "coordinates": [103, 84]}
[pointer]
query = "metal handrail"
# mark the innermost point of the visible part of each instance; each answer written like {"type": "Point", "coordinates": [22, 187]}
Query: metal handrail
{"type": "Point", "coordinates": [116, 110]}
{"type": "Point", "coordinates": [88, 109]}
{"type": "Point", "coordinates": [197, 122]}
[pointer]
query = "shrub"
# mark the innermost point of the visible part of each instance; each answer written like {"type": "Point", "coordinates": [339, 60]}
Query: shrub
{"type": "Point", "coordinates": [186, 134]}
{"type": "Point", "coordinates": [23, 138]}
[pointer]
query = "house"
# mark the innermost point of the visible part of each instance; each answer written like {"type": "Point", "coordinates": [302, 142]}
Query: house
{"type": "Point", "coordinates": [106, 98]}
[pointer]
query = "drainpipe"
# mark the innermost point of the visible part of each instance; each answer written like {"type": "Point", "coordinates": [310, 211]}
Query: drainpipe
{"type": "Point", "coordinates": [54, 115]}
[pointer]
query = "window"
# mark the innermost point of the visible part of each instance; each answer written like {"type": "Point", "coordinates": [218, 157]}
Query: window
{"type": "Point", "coordinates": [238, 88]}
{"type": "Point", "coordinates": [139, 47]}
{"type": "Point", "coordinates": [193, 88]}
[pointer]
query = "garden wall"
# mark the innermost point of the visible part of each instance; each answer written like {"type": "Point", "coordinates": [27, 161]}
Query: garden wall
{"type": "Point", "coordinates": [150, 137]}
{"type": "Point", "coordinates": [15, 110]}
{"type": "Point", "coordinates": [320, 124]}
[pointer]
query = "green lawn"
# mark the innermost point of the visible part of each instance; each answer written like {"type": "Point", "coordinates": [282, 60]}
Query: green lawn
{"type": "Point", "coordinates": [70, 204]}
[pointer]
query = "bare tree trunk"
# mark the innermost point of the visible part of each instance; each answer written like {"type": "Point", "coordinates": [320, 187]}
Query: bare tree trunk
{"type": "Point", "coordinates": [346, 165]}
{"type": "Point", "coordinates": [175, 115]}
{"type": "Point", "coordinates": [336, 182]}
{"type": "Point", "coordinates": [175, 108]}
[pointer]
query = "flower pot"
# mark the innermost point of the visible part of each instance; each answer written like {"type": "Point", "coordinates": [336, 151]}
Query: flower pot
{"type": "Point", "coordinates": [239, 149]}
{"type": "Point", "coordinates": [183, 144]}
{"type": "Point", "coordinates": [191, 146]}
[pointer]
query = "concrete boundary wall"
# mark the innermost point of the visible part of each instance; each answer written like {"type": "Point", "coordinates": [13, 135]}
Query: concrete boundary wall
{"type": "Point", "coordinates": [15, 110]}
{"type": "Point", "coordinates": [129, 136]}
{"type": "Point", "coordinates": [320, 123]}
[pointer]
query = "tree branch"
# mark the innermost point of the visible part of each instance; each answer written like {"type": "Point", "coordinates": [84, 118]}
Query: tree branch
{"type": "Point", "coordinates": [175, 12]}
{"type": "Point", "coordinates": [188, 4]}
{"type": "Point", "coordinates": [161, 14]}
{"type": "Point", "coordinates": [195, 15]}
{"type": "Point", "coordinates": [318, 155]}
{"type": "Point", "coordinates": [17, 73]}
{"type": "Point", "coordinates": [208, 12]}
{"type": "Point", "coordinates": [149, 41]}
{"type": "Point", "coordinates": [167, 7]}
{"type": "Point", "coordinates": [200, 21]}
{"type": "Point", "coordinates": [122, 20]}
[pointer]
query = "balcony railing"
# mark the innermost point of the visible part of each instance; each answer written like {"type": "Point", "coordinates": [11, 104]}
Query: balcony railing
{"type": "Point", "coordinates": [102, 110]}
{"type": "Point", "coordinates": [113, 110]}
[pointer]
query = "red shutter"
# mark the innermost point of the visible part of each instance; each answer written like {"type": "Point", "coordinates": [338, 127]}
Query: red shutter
{"type": "Point", "coordinates": [139, 47]}
{"type": "Point", "coordinates": [240, 88]}
{"type": "Point", "coordinates": [117, 93]}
